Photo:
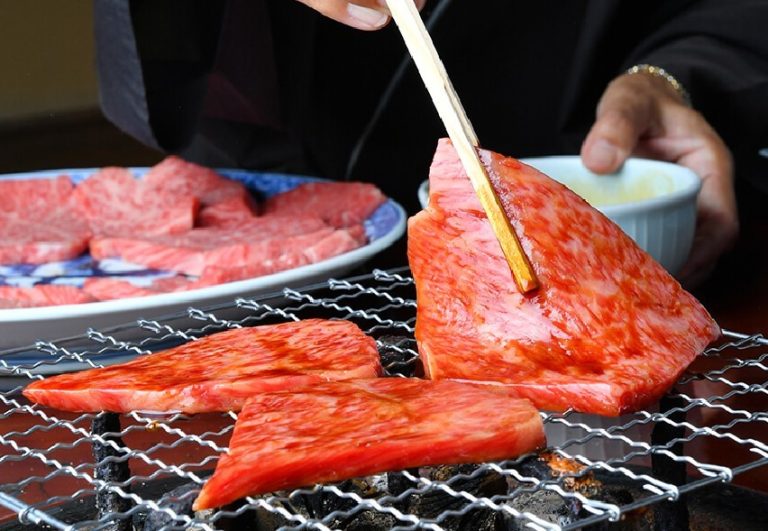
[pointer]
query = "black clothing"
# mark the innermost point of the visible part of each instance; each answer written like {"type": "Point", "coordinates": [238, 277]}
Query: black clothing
{"type": "Point", "coordinates": [272, 85]}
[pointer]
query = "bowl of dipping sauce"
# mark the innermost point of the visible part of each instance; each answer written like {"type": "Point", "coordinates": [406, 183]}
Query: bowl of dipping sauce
{"type": "Point", "coordinates": [653, 202]}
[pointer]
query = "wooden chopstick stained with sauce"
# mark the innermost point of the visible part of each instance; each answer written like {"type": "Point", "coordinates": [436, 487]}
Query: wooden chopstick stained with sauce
{"type": "Point", "coordinates": [462, 134]}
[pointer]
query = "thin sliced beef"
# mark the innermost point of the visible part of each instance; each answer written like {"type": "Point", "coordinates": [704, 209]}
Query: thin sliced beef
{"type": "Point", "coordinates": [58, 236]}
{"type": "Point", "coordinates": [218, 372]}
{"type": "Point", "coordinates": [34, 195]}
{"type": "Point", "coordinates": [223, 202]}
{"type": "Point", "coordinates": [38, 221]}
{"type": "Point", "coordinates": [295, 251]}
{"type": "Point", "coordinates": [342, 430]}
{"type": "Point", "coordinates": [340, 241]}
{"type": "Point", "coordinates": [117, 204]}
{"type": "Point", "coordinates": [190, 253]}
{"type": "Point", "coordinates": [111, 288]}
{"type": "Point", "coordinates": [229, 213]}
{"type": "Point", "coordinates": [176, 176]}
{"type": "Point", "coordinates": [340, 204]}
{"type": "Point", "coordinates": [43, 295]}
{"type": "Point", "coordinates": [608, 331]}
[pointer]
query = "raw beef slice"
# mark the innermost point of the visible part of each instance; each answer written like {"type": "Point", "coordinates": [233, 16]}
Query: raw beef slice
{"type": "Point", "coordinates": [43, 295]}
{"type": "Point", "coordinates": [218, 372]}
{"type": "Point", "coordinates": [190, 253]}
{"type": "Point", "coordinates": [229, 213]}
{"type": "Point", "coordinates": [608, 331]}
{"type": "Point", "coordinates": [224, 202]}
{"type": "Point", "coordinates": [111, 288]}
{"type": "Point", "coordinates": [295, 251]}
{"type": "Point", "coordinates": [342, 430]}
{"type": "Point", "coordinates": [340, 204]}
{"type": "Point", "coordinates": [117, 204]}
{"type": "Point", "coordinates": [39, 223]}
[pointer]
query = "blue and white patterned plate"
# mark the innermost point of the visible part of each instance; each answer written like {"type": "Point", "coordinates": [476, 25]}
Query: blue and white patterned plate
{"type": "Point", "coordinates": [23, 326]}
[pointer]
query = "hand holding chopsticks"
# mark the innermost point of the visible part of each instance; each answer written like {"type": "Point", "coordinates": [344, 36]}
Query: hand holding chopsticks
{"type": "Point", "coordinates": [462, 135]}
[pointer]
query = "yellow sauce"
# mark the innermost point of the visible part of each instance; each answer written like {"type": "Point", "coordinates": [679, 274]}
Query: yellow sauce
{"type": "Point", "coordinates": [605, 190]}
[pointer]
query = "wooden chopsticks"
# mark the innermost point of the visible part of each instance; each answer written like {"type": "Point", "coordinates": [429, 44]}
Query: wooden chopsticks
{"type": "Point", "coordinates": [462, 134]}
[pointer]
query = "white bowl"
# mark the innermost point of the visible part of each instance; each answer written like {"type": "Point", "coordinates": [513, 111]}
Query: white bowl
{"type": "Point", "coordinates": [653, 202]}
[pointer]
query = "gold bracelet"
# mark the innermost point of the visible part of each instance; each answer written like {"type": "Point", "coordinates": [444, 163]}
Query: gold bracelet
{"type": "Point", "coordinates": [657, 71]}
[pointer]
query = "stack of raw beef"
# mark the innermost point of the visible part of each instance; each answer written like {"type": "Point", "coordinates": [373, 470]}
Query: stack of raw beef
{"type": "Point", "coordinates": [179, 217]}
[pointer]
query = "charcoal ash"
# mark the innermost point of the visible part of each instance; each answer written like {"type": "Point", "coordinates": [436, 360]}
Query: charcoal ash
{"type": "Point", "coordinates": [566, 511]}
{"type": "Point", "coordinates": [178, 500]}
{"type": "Point", "coordinates": [111, 467]}
{"type": "Point", "coordinates": [433, 502]}
{"type": "Point", "coordinates": [574, 477]}
{"type": "Point", "coordinates": [318, 505]}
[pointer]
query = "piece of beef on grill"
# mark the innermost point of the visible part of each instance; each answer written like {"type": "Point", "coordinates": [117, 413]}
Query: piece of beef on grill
{"type": "Point", "coordinates": [260, 239]}
{"type": "Point", "coordinates": [341, 430]}
{"type": "Point", "coordinates": [218, 372]}
{"type": "Point", "coordinates": [42, 295]}
{"type": "Point", "coordinates": [39, 222]}
{"type": "Point", "coordinates": [608, 331]}
{"type": "Point", "coordinates": [117, 204]}
{"type": "Point", "coordinates": [340, 204]}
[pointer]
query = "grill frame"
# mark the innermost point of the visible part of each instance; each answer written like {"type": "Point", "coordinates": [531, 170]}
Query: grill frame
{"type": "Point", "coordinates": [391, 323]}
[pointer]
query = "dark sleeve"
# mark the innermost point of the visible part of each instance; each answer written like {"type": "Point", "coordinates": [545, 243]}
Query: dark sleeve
{"type": "Point", "coordinates": [719, 51]}
{"type": "Point", "coordinates": [153, 57]}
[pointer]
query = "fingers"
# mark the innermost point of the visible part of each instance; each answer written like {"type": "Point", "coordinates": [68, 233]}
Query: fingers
{"type": "Point", "coordinates": [641, 114]}
{"type": "Point", "coordinates": [623, 116]}
{"type": "Point", "coordinates": [718, 224]}
{"type": "Point", "coordinates": [362, 14]}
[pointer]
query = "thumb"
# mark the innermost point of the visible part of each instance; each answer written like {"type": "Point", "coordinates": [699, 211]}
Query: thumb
{"type": "Point", "coordinates": [623, 115]}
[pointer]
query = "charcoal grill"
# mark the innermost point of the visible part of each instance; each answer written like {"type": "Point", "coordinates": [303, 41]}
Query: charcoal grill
{"type": "Point", "coordinates": [635, 470]}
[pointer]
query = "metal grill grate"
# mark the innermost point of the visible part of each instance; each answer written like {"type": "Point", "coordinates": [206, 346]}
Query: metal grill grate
{"type": "Point", "coordinates": [596, 469]}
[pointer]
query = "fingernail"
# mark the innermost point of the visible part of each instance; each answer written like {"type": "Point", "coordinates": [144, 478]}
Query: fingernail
{"type": "Point", "coordinates": [366, 18]}
{"type": "Point", "coordinates": [603, 155]}
{"type": "Point", "coordinates": [419, 4]}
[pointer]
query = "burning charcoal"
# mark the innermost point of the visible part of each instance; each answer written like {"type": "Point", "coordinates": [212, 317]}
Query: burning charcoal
{"type": "Point", "coordinates": [258, 519]}
{"type": "Point", "coordinates": [545, 504]}
{"type": "Point", "coordinates": [564, 511]}
{"type": "Point", "coordinates": [433, 502]}
{"type": "Point", "coordinates": [174, 500]}
{"type": "Point", "coordinates": [547, 466]}
{"type": "Point", "coordinates": [318, 505]}
{"type": "Point", "coordinates": [111, 471]}
{"type": "Point", "coordinates": [321, 504]}
{"type": "Point", "coordinates": [397, 483]}
{"type": "Point", "coordinates": [368, 521]}
{"type": "Point", "coordinates": [394, 360]}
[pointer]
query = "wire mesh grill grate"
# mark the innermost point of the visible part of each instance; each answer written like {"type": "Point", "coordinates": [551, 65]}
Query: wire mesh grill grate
{"type": "Point", "coordinates": [595, 469]}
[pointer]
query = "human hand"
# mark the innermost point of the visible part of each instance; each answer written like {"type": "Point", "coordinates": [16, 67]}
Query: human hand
{"type": "Point", "coordinates": [360, 14]}
{"type": "Point", "coordinates": [643, 115]}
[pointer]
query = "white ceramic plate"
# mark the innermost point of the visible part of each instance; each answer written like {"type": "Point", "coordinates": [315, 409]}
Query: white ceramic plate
{"type": "Point", "coordinates": [23, 326]}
